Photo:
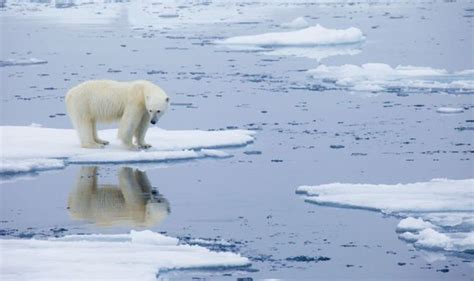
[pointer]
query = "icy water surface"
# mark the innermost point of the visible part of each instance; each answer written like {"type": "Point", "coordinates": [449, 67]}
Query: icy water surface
{"type": "Point", "coordinates": [308, 131]}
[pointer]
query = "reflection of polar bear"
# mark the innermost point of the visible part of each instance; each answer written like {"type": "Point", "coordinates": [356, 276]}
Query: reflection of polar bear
{"type": "Point", "coordinates": [132, 201]}
{"type": "Point", "coordinates": [135, 104]}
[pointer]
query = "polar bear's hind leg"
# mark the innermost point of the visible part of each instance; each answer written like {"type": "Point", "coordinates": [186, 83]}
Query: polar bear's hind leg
{"type": "Point", "coordinates": [86, 130]}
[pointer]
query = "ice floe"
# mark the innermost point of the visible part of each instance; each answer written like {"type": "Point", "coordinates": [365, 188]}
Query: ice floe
{"type": "Point", "coordinates": [412, 224]}
{"type": "Point", "coordinates": [10, 166]}
{"type": "Point", "coordinates": [450, 110]}
{"type": "Point", "coordinates": [449, 241]}
{"type": "Point", "coordinates": [316, 52]}
{"type": "Point", "coordinates": [299, 22]}
{"type": "Point", "coordinates": [21, 62]}
{"type": "Point", "coordinates": [26, 149]}
{"type": "Point", "coordinates": [310, 36]}
{"type": "Point", "coordinates": [314, 42]}
{"type": "Point", "coordinates": [140, 255]}
{"type": "Point", "coordinates": [438, 214]}
{"type": "Point", "coordinates": [377, 77]}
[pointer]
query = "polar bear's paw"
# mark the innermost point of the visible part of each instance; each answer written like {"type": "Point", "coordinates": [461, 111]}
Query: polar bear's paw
{"type": "Point", "coordinates": [103, 142]}
{"type": "Point", "coordinates": [144, 146]}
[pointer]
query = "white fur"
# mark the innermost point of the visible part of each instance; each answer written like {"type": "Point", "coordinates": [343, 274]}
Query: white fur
{"type": "Point", "coordinates": [134, 104]}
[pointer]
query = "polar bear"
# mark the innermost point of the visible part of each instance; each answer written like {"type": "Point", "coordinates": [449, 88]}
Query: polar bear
{"type": "Point", "coordinates": [134, 104]}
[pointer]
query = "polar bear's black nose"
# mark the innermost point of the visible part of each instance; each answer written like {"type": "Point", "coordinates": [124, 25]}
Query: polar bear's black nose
{"type": "Point", "coordinates": [153, 122]}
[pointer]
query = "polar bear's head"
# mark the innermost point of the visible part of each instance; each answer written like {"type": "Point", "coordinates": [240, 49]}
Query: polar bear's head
{"type": "Point", "coordinates": [156, 102]}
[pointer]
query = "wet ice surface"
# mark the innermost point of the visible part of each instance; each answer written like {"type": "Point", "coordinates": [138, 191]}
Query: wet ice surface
{"type": "Point", "coordinates": [438, 214]}
{"type": "Point", "coordinates": [103, 257]}
{"type": "Point", "coordinates": [23, 153]}
{"type": "Point", "coordinates": [309, 131]}
{"type": "Point", "coordinates": [376, 77]}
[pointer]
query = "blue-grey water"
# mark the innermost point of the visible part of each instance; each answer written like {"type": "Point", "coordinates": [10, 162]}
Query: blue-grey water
{"type": "Point", "coordinates": [305, 135]}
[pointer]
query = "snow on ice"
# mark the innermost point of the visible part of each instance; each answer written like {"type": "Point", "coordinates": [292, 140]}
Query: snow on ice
{"type": "Point", "coordinates": [21, 62]}
{"type": "Point", "coordinates": [315, 42]}
{"type": "Point", "coordinates": [428, 208]}
{"type": "Point", "coordinates": [310, 36]}
{"type": "Point", "coordinates": [376, 77]}
{"type": "Point", "coordinates": [450, 110]}
{"type": "Point", "coordinates": [316, 52]}
{"type": "Point", "coordinates": [28, 149]}
{"type": "Point", "coordinates": [140, 255]}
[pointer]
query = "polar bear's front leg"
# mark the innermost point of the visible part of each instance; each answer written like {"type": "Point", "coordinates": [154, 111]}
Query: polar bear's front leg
{"type": "Point", "coordinates": [96, 137]}
{"type": "Point", "coordinates": [141, 131]}
{"type": "Point", "coordinates": [128, 125]}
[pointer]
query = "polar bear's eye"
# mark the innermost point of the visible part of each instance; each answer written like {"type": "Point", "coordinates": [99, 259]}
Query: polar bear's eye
{"type": "Point", "coordinates": [150, 110]}
{"type": "Point", "coordinates": [158, 111]}
{"type": "Point", "coordinates": [167, 99]}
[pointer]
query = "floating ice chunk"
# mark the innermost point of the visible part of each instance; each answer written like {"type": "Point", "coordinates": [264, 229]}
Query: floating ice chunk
{"type": "Point", "coordinates": [316, 52]}
{"type": "Point", "coordinates": [209, 242]}
{"type": "Point", "coordinates": [413, 224]}
{"type": "Point", "coordinates": [443, 208]}
{"type": "Point", "coordinates": [314, 42]}
{"type": "Point", "coordinates": [32, 148]}
{"type": "Point", "coordinates": [13, 166]}
{"type": "Point", "coordinates": [36, 125]}
{"type": "Point", "coordinates": [450, 110]}
{"type": "Point", "coordinates": [435, 195]}
{"type": "Point", "coordinates": [310, 36]}
{"type": "Point", "coordinates": [463, 220]}
{"type": "Point", "coordinates": [374, 71]}
{"type": "Point", "coordinates": [21, 62]}
{"type": "Point", "coordinates": [299, 22]}
{"type": "Point", "coordinates": [134, 256]}
{"type": "Point", "coordinates": [379, 77]}
{"type": "Point", "coordinates": [432, 239]}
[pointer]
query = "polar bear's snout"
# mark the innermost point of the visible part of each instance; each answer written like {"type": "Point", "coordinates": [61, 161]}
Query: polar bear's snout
{"type": "Point", "coordinates": [154, 118]}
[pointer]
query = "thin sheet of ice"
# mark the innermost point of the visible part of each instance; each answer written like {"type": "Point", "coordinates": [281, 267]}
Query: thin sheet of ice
{"type": "Point", "coordinates": [206, 242]}
{"type": "Point", "coordinates": [25, 148]}
{"type": "Point", "coordinates": [316, 52]}
{"type": "Point", "coordinates": [21, 62]}
{"type": "Point", "coordinates": [375, 77]}
{"type": "Point", "coordinates": [10, 166]}
{"type": "Point", "coordinates": [140, 255]}
{"type": "Point", "coordinates": [444, 207]}
{"type": "Point", "coordinates": [311, 36]}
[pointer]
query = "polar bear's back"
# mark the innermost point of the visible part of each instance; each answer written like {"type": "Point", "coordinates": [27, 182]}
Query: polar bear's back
{"type": "Point", "coordinates": [100, 100]}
